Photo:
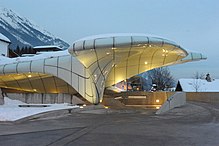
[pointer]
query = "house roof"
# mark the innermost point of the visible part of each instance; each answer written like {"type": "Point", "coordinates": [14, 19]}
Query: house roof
{"type": "Point", "coordinates": [47, 48]}
{"type": "Point", "coordinates": [4, 38]}
{"type": "Point", "coordinates": [199, 85]}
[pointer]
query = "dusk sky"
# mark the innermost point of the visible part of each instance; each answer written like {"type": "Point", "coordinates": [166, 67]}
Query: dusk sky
{"type": "Point", "coordinates": [193, 24]}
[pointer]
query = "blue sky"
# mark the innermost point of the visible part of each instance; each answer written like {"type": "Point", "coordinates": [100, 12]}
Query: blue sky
{"type": "Point", "coordinates": [193, 24]}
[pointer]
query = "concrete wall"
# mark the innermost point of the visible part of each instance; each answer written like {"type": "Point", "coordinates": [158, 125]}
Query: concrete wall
{"type": "Point", "coordinates": [176, 100]}
{"type": "Point", "coordinates": [45, 98]}
{"type": "Point", "coordinates": [151, 98]}
{"type": "Point", "coordinates": [1, 98]}
{"type": "Point", "coordinates": [209, 97]}
{"type": "Point", "coordinates": [3, 48]}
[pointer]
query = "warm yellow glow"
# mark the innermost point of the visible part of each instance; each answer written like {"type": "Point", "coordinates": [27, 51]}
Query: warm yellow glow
{"type": "Point", "coordinates": [113, 48]}
{"type": "Point", "coordinates": [157, 100]}
{"type": "Point", "coordinates": [145, 62]}
{"type": "Point", "coordinates": [34, 90]}
{"type": "Point", "coordinates": [107, 53]}
{"type": "Point", "coordinates": [164, 50]}
{"type": "Point", "coordinates": [157, 107]}
{"type": "Point", "coordinates": [106, 107]}
{"type": "Point", "coordinates": [29, 76]}
{"type": "Point", "coordinates": [149, 45]}
{"type": "Point", "coordinates": [101, 100]}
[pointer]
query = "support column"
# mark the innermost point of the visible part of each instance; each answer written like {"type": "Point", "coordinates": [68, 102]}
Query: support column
{"type": "Point", "coordinates": [1, 98]}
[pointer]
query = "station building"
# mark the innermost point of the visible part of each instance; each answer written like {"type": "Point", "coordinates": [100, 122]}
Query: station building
{"type": "Point", "coordinates": [91, 64]}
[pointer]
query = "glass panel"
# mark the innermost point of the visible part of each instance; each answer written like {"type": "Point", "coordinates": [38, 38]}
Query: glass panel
{"type": "Point", "coordinates": [155, 41]}
{"type": "Point", "coordinates": [131, 71]}
{"type": "Point", "coordinates": [139, 40]}
{"type": "Point", "coordinates": [89, 44]}
{"type": "Point", "coordinates": [122, 40]}
{"type": "Point", "coordinates": [196, 56]}
{"type": "Point", "coordinates": [104, 43]}
{"type": "Point", "coordinates": [79, 45]}
{"type": "Point", "coordinates": [120, 74]}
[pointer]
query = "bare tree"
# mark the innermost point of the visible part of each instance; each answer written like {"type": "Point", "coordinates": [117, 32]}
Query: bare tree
{"type": "Point", "coordinates": [162, 78]}
{"type": "Point", "coordinates": [198, 75]}
{"type": "Point", "coordinates": [197, 80]}
{"type": "Point", "coordinates": [196, 84]}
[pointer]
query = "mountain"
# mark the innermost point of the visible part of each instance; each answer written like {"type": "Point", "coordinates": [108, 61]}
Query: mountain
{"type": "Point", "coordinates": [23, 32]}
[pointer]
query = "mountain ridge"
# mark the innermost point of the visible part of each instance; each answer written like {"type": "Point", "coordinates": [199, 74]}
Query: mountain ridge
{"type": "Point", "coordinates": [23, 32]}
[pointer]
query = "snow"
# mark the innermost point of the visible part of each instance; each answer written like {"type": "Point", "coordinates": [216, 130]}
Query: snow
{"type": "Point", "coordinates": [27, 27]}
{"type": "Point", "coordinates": [151, 36]}
{"type": "Point", "coordinates": [10, 111]}
{"type": "Point", "coordinates": [48, 46]}
{"type": "Point", "coordinates": [14, 19]}
{"type": "Point", "coordinates": [202, 85]}
{"type": "Point", "coordinates": [4, 38]}
{"type": "Point", "coordinates": [41, 55]}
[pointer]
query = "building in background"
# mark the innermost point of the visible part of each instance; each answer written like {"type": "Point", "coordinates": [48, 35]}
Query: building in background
{"type": "Point", "coordinates": [4, 43]}
{"type": "Point", "coordinates": [197, 85]}
{"type": "Point", "coordinates": [47, 48]}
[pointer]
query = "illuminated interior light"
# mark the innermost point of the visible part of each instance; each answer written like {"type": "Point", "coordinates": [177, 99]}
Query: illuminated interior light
{"type": "Point", "coordinates": [150, 46]}
{"type": "Point", "coordinates": [157, 107]}
{"type": "Point", "coordinates": [157, 100]}
{"type": "Point", "coordinates": [107, 53]}
{"type": "Point", "coordinates": [113, 48]}
{"type": "Point", "coordinates": [145, 62]}
{"type": "Point", "coordinates": [164, 50]}
{"type": "Point", "coordinates": [81, 107]}
{"type": "Point", "coordinates": [101, 100]}
{"type": "Point", "coordinates": [29, 76]}
{"type": "Point", "coordinates": [84, 105]}
{"type": "Point", "coordinates": [106, 107]}
{"type": "Point", "coordinates": [34, 90]}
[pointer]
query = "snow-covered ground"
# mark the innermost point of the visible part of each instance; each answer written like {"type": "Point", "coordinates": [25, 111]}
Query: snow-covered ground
{"type": "Point", "coordinates": [11, 111]}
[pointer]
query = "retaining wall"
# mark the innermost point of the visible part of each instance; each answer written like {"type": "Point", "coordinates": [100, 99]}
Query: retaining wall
{"type": "Point", "coordinates": [209, 97]}
{"type": "Point", "coordinates": [45, 98]}
{"type": "Point", "coordinates": [144, 98]}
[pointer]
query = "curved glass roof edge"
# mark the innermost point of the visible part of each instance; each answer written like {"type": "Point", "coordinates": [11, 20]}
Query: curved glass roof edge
{"type": "Point", "coordinates": [110, 41]}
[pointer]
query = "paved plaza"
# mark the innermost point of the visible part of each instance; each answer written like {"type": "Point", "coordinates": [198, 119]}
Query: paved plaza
{"type": "Point", "coordinates": [195, 124]}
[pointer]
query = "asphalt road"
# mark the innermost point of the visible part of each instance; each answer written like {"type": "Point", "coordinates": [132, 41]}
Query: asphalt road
{"type": "Point", "coordinates": [195, 124]}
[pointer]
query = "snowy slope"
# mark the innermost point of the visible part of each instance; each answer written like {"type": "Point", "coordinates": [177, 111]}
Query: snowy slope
{"type": "Point", "coordinates": [22, 31]}
{"type": "Point", "coordinates": [11, 111]}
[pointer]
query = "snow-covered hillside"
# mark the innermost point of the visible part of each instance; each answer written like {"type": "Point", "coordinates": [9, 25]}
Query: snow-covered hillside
{"type": "Point", "coordinates": [23, 32]}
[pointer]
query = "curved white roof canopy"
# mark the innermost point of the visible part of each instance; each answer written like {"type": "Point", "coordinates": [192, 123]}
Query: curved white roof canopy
{"type": "Point", "coordinates": [96, 62]}
{"type": "Point", "coordinates": [126, 54]}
